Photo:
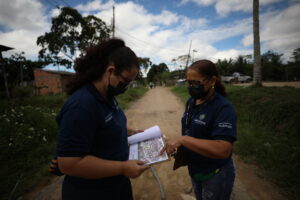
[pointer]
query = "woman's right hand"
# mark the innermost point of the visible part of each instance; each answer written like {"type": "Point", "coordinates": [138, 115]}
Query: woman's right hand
{"type": "Point", "coordinates": [134, 168]}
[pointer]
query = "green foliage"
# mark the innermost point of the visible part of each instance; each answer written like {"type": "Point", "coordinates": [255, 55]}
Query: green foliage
{"type": "Point", "coordinates": [70, 32]}
{"type": "Point", "coordinates": [182, 92]}
{"type": "Point", "coordinates": [272, 67]}
{"type": "Point", "coordinates": [154, 74]}
{"type": "Point", "coordinates": [18, 69]}
{"type": "Point", "coordinates": [181, 60]}
{"type": "Point", "coordinates": [228, 67]}
{"type": "Point", "coordinates": [268, 131]}
{"type": "Point", "coordinates": [28, 138]}
{"type": "Point", "coordinates": [145, 63]}
{"type": "Point", "coordinates": [296, 56]}
{"type": "Point", "coordinates": [130, 95]}
{"type": "Point", "coordinates": [22, 92]}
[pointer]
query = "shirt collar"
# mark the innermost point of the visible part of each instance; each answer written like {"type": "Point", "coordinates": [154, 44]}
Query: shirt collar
{"type": "Point", "coordinates": [109, 101]}
{"type": "Point", "coordinates": [208, 101]}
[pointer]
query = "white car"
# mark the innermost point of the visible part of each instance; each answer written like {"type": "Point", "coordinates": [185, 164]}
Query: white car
{"type": "Point", "coordinates": [236, 77]}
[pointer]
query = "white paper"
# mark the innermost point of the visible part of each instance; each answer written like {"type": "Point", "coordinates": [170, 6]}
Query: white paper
{"type": "Point", "coordinates": [133, 152]}
{"type": "Point", "coordinates": [149, 151]}
{"type": "Point", "coordinates": [150, 133]}
{"type": "Point", "coordinates": [147, 145]}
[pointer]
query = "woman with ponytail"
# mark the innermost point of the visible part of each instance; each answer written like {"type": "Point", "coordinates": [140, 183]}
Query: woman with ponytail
{"type": "Point", "coordinates": [208, 134]}
{"type": "Point", "coordinates": [92, 149]}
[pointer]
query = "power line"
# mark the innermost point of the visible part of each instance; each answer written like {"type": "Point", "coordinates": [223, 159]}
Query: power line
{"type": "Point", "coordinates": [158, 47]}
{"type": "Point", "coordinates": [50, 3]}
{"type": "Point", "coordinates": [66, 3]}
{"type": "Point", "coordinates": [57, 3]}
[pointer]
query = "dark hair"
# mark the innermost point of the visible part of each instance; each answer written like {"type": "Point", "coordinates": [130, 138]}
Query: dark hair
{"type": "Point", "coordinates": [92, 64]}
{"type": "Point", "coordinates": [209, 69]}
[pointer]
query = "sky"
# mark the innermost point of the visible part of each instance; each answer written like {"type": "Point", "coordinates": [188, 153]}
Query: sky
{"type": "Point", "coordinates": [164, 29]}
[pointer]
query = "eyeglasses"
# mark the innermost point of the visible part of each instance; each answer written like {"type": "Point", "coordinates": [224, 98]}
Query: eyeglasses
{"type": "Point", "coordinates": [127, 81]}
{"type": "Point", "coordinates": [196, 82]}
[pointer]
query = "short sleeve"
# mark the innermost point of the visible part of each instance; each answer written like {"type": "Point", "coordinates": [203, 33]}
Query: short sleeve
{"type": "Point", "coordinates": [225, 123]}
{"type": "Point", "coordinates": [76, 133]}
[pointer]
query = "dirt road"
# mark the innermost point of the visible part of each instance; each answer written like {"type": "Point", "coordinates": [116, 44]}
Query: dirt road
{"type": "Point", "coordinates": [160, 107]}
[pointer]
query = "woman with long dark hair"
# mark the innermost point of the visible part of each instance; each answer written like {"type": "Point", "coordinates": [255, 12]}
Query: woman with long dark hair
{"type": "Point", "coordinates": [208, 133]}
{"type": "Point", "coordinates": [92, 149]}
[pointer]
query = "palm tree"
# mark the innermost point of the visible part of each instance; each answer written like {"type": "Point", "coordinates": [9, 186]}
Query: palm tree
{"type": "Point", "coordinates": [257, 60]}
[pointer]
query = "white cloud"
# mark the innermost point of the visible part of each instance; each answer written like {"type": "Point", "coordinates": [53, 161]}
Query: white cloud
{"type": "Point", "coordinates": [166, 35]}
{"type": "Point", "coordinates": [21, 40]}
{"type": "Point", "coordinates": [95, 5]}
{"type": "Point", "coordinates": [224, 7]}
{"type": "Point", "coordinates": [23, 22]}
{"type": "Point", "coordinates": [231, 53]}
{"type": "Point", "coordinates": [22, 14]}
{"type": "Point", "coordinates": [198, 2]}
{"type": "Point", "coordinates": [55, 12]}
{"type": "Point", "coordinates": [280, 31]}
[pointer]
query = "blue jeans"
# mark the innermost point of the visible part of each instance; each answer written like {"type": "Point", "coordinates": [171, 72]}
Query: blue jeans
{"type": "Point", "coordinates": [219, 187]}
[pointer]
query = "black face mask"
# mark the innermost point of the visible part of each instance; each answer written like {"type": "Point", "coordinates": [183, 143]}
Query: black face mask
{"type": "Point", "coordinates": [119, 89]}
{"type": "Point", "coordinates": [197, 91]}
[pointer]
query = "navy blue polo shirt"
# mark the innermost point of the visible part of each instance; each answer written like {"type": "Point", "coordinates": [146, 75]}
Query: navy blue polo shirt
{"type": "Point", "coordinates": [91, 125]}
{"type": "Point", "coordinates": [213, 120]}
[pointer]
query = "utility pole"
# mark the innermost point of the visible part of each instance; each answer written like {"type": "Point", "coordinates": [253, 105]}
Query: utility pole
{"type": "Point", "coordinates": [4, 48]}
{"type": "Point", "coordinates": [193, 58]}
{"type": "Point", "coordinates": [257, 79]}
{"type": "Point", "coordinates": [113, 22]}
{"type": "Point", "coordinates": [188, 57]}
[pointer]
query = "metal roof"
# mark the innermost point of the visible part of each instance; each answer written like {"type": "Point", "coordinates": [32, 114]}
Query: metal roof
{"type": "Point", "coordinates": [58, 72]}
{"type": "Point", "coordinates": [5, 48]}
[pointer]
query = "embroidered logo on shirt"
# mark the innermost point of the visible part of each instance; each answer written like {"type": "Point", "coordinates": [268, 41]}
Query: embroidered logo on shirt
{"type": "Point", "coordinates": [108, 117]}
{"type": "Point", "coordinates": [225, 125]}
{"type": "Point", "coordinates": [202, 116]}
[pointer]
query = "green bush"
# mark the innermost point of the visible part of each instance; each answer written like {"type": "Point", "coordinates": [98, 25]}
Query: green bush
{"type": "Point", "coordinates": [268, 131]}
{"type": "Point", "coordinates": [130, 95]}
{"type": "Point", "coordinates": [22, 92]}
{"type": "Point", "coordinates": [28, 139]}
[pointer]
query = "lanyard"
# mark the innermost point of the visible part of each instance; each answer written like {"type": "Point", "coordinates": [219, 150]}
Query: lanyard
{"type": "Point", "coordinates": [190, 114]}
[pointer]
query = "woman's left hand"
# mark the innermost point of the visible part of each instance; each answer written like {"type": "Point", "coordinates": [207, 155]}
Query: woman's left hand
{"type": "Point", "coordinates": [172, 145]}
{"type": "Point", "coordinates": [132, 132]}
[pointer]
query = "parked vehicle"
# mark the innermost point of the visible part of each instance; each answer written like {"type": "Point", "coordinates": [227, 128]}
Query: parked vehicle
{"type": "Point", "coordinates": [236, 78]}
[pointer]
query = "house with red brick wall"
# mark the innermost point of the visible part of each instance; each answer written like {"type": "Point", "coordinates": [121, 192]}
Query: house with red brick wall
{"type": "Point", "coordinates": [50, 81]}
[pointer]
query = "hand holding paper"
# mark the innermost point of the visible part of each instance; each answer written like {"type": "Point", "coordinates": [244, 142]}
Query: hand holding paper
{"type": "Point", "coordinates": [146, 146]}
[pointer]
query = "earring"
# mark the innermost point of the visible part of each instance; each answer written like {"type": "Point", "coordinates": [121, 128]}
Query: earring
{"type": "Point", "coordinates": [213, 87]}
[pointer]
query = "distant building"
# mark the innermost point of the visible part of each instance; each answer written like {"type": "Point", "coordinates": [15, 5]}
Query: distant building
{"type": "Point", "coordinates": [51, 82]}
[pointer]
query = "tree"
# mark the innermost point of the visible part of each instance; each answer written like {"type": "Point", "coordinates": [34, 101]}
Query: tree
{"type": "Point", "coordinates": [70, 33]}
{"type": "Point", "coordinates": [292, 69]}
{"type": "Point", "coordinates": [257, 60]}
{"type": "Point", "coordinates": [273, 69]}
{"type": "Point", "coordinates": [296, 56]}
{"type": "Point", "coordinates": [225, 66]}
{"type": "Point", "coordinates": [145, 63]}
{"type": "Point", "coordinates": [19, 69]}
{"type": "Point", "coordinates": [155, 72]}
{"type": "Point", "coordinates": [180, 60]}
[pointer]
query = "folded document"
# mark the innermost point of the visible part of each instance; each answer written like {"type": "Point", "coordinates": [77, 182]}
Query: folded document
{"type": "Point", "coordinates": [147, 145]}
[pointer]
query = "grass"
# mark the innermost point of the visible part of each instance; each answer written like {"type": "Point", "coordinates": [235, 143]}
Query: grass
{"type": "Point", "coordinates": [268, 131]}
{"type": "Point", "coordinates": [28, 139]}
{"type": "Point", "coordinates": [129, 96]}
